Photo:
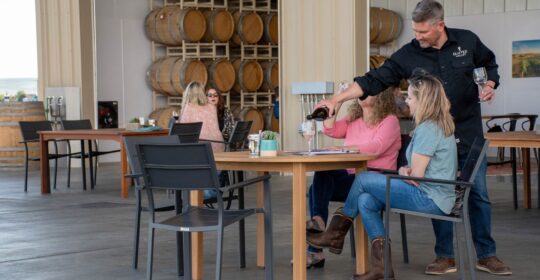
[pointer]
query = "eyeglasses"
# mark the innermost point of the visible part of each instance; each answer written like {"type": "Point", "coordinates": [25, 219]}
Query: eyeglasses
{"type": "Point", "coordinates": [212, 95]}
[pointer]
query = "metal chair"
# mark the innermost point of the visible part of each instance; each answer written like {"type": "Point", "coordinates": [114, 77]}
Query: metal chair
{"type": "Point", "coordinates": [136, 173]}
{"type": "Point", "coordinates": [91, 154]}
{"type": "Point", "coordinates": [29, 134]}
{"type": "Point", "coordinates": [187, 132]}
{"type": "Point", "coordinates": [236, 142]}
{"type": "Point", "coordinates": [460, 211]}
{"type": "Point", "coordinates": [186, 167]}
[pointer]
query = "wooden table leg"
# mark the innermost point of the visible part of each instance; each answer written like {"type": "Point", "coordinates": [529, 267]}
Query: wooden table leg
{"type": "Point", "coordinates": [197, 257]}
{"type": "Point", "coordinates": [260, 223]}
{"type": "Point", "coordinates": [299, 221]}
{"type": "Point", "coordinates": [124, 181]}
{"type": "Point", "coordinates": [361, 245]}
{"type": "Point", "coordinates": [525, 155]}
{"type": "Point", "coordinates": [361, 240]}
{"type": "Point", "coordinates": [44, 166]}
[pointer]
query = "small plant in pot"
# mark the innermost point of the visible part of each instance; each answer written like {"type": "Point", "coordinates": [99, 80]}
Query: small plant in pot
{"type": "Point", "coordinates": [133, 124]}
{"type": "Point", "coordinates": [269, 144]}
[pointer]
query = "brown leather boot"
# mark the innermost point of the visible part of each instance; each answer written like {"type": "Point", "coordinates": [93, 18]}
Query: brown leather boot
{"type": "Point", "coordinates": [334, 236]}
{"type": "Point", "coordinates": [377, 262]}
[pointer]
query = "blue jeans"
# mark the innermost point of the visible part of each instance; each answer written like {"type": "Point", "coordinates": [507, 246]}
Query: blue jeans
{"type": "Point", "coordinates": [333, 185]}
{"type": "Point", "coordinates": [368, 197]}
{"type": "Point", "coordinates": [480, 215]}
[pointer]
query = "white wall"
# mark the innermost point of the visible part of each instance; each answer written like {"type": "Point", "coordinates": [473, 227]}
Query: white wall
{"type": "Point", "coordinates": [123, 55]}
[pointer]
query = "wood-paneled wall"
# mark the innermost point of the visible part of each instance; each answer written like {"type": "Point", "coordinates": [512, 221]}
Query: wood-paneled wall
{"type": "Point", "coordinates": [65, 54]}
{"type": "Point", "coordinates": [320, 41]}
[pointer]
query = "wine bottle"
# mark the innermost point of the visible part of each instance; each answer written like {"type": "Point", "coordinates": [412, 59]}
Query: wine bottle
{"type": "Point", "coordinates": [319, 114]}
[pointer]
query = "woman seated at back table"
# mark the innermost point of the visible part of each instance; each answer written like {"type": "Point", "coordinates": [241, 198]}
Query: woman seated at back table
{"type": "Point", "coordinates": [195, 108]}
{"type": "Point", "coordinates": [432, 153]}
{"type": "Point", "coordinates": [370, 127]}
{"type": "Point", "coordinates": [224, 115]}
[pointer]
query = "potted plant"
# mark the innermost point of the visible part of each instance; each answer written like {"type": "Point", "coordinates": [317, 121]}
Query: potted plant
{"type": "Point", "coordinates": [269, 143]}
{"type": "Point", "coordinates": [133, 124]}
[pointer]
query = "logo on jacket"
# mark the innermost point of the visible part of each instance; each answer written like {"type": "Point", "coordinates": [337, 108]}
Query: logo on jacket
{"type": "Point", "coordinates": [460, 52]}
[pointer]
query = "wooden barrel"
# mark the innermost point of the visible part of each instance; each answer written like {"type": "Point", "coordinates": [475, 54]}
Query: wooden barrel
{"type": "Point", "coordinates": [254, 115]}
{"type": "Point", "coordinates": [171, 75]}
{"type": "Point", "coordinates": [171, 25]}
{"type": "Point", "coordinates": [150, 25]}
{"type": "Point", "coordinates": [249, 75]}
{"type": "Point", "coordinates": [219, 25]}
{"type": "Point", "coordinates": [163, 115]}
{"type": "Point", "coordinates": [385, 25]}
{"type": "Point", "coordinates": [270, 34]}
{"type": "Point", "coordinates": [271, 75]}
{"type": "Point", "coordinates": [221, 74]}
{"type": "Point", "coordinates": [11, 151]}
{"type": "Point", "coordinates": [248, 28]}
{"type": "Point", "coordinates": [375, 61]}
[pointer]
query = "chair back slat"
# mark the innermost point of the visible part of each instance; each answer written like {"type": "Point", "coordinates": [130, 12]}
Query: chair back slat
{"type": "Point", "coordinates": [402, 154]}
{"type": "Point", "coordinates": [474, 158]}
{"type": "Point", "coordinates": [186, 132]}
{"type": "Point", "coordinates": [239, 135]}
{"type": "Point", "coordinates": [131, 143]}
{"type": "Point", "coordinates": [188, 166]}
{"type": "Point", "coordinates": [468, 173]}
{"type": "Point", "coordinates": [76, 124]}
{"type": "Point", "coordinates": [29, 129]}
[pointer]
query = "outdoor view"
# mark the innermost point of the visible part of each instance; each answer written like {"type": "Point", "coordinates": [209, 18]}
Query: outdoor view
{"type": "Point", "coordinates": [18, 51]}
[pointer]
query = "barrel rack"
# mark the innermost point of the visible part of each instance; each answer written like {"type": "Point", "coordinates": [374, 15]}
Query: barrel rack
{"type": "Point", "coordinates": [216, 50]}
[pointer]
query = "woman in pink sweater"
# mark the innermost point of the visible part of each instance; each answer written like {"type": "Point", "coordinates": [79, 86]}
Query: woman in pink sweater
{"type": "Point", "coordinates": [370, 127]}
{"type": "Point", "coordinates": [195, 108]}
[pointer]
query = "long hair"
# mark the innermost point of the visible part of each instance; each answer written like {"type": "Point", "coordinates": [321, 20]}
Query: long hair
{"type": "Point", "coordinates": [220, 104]}
{"type": "Point", "coordinates": [433, 105]}
{"type": "Point", "coordinates": [385, 105]}
{"type": "Point", "coordinates": [194, 94]}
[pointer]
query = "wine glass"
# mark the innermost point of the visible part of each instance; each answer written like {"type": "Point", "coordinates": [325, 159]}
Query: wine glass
{"type": "Point", "coordinates": [308, 131]}
{"type": "Point", "coordinates": [480, 78]}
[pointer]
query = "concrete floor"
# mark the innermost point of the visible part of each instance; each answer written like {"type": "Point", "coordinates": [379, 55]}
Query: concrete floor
{"type": "Point", "coordinates": [75, 234]}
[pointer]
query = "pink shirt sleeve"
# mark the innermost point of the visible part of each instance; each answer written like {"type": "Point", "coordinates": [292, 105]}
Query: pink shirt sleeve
{"type": "Point", "coordinates": [338, 131]}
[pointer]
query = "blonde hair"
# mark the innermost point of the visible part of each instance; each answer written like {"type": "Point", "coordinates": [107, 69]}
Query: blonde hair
{"type": "Point", "coordinates": [433, 105]}
{"type": "Point", "coordinates": [385, 105]}
{"type": "Point", "coordinates": [194, 93]}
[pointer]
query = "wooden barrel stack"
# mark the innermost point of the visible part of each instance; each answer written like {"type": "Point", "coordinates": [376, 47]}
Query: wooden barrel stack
{"type": "Point", "coordinates": [175, 27]}
{"type": "Point", "coordinates": [11, 151]}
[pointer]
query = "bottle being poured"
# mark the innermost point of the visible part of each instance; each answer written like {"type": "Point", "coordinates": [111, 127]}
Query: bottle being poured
{"type": "Point", "coordinates": [322, 113]}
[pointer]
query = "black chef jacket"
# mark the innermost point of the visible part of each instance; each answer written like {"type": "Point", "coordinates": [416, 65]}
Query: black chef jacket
{"type": "Point", "coordinates": [453, 64]}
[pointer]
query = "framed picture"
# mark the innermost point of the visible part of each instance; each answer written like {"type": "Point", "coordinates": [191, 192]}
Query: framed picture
{"type": "Point", "coordinates": [107, 114]}
{"type": "Point", "coordinates": [526, 59]}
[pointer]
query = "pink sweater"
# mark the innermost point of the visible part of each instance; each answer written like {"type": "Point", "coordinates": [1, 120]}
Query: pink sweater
{"type": "Point", "coordinates": [383, 140]}
{"type": "Point", "coordinates": [208, 116]}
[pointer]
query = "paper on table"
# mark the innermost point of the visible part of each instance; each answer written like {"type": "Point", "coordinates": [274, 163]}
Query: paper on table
{"type": "Point", "coordinates": [323, 152]}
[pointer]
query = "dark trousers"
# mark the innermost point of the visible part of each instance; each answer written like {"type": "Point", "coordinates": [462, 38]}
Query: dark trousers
{"type": "Point", "coordinates": [333, 185]}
